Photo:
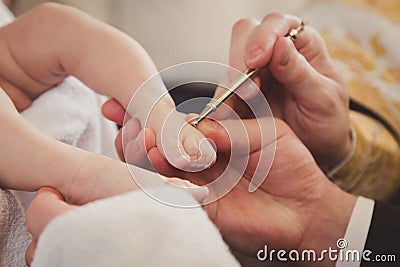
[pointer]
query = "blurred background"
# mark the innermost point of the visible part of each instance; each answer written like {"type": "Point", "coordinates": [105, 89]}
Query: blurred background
{"type": "Point", "coordinates": [362, 35]}
{"type": "Point", "coordinates": [175, 31]}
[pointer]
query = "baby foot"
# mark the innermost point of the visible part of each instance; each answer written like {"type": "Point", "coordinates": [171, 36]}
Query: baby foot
{"type": "Point", "coordinates": [182, 145]}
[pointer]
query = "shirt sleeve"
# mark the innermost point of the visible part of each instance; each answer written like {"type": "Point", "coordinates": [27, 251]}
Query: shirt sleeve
{"type": "Point", "coordinates": [357, 230]}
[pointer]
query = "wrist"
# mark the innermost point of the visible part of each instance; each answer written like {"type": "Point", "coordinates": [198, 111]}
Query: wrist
{"type": "Point", "coordinates": [346, 154]}
{"type": "Point", "coordinates": [340, 153]}
{"type": "Point", "coordinates": [329, 216]}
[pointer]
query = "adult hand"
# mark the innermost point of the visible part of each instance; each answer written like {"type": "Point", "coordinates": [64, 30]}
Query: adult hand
{"type": "Point", "coordinates": [296, 207]}
{"type": "Point", "coordinates": [300, 81]}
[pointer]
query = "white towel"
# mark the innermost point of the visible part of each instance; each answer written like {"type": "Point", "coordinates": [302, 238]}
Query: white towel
{"type": "Point", "coordinates": [71, 113]}
{"type": "Point", "coordinates": [14, 238]}
{"type": "Point", "coordinates": [133, 230]}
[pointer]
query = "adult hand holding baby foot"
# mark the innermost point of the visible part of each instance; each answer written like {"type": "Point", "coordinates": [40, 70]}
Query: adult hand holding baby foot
{"type": "Point", "coordinates": [181, 144]}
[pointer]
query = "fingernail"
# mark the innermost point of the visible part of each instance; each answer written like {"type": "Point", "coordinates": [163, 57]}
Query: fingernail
{"type": "Point", "coordinates": [254, 55]}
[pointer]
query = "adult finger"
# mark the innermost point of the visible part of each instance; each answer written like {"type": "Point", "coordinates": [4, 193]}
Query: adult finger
{"type": "Point", "coordinates": [252, 45]}
{"type": "Point", "coordinates": [239, 37]}
{"type": "Point", "coordinates": [310, 44]}
{"type": "Point", "coordinates": [309, 87]}
{"type": "Point", "coordinates": [240, 34]}
{"type": "Point", "coordinates": [113, 111]}
{"type": "Point", "coordinates": [226, 134]}
{"type": "Point", "coordinates": [261, 42]}
{"type": "Point", "coordinates": [313, 47]}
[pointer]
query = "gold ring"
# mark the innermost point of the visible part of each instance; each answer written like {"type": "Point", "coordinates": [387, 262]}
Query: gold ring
{"type": "Point", "coordinates": [293, 34]}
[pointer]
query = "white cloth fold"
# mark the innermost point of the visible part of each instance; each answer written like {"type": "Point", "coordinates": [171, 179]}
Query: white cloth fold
{"type": "Point", "coordinates": [133, 230]}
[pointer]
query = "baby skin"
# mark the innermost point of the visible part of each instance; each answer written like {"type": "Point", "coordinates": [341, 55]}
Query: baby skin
{"type": "Point", "coordinates": [44, 46]}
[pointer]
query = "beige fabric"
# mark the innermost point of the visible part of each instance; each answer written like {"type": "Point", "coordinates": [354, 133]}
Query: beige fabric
{"type": "Point", "coordinates": [373, 170]}
{"type": "Point", "coordinates": [365, 48]}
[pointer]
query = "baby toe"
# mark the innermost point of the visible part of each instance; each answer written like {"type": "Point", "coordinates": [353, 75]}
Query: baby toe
{"type": "Point", "coordinates": [201, 152]}
{"type": "Point", "coordinates": [176, 155]}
